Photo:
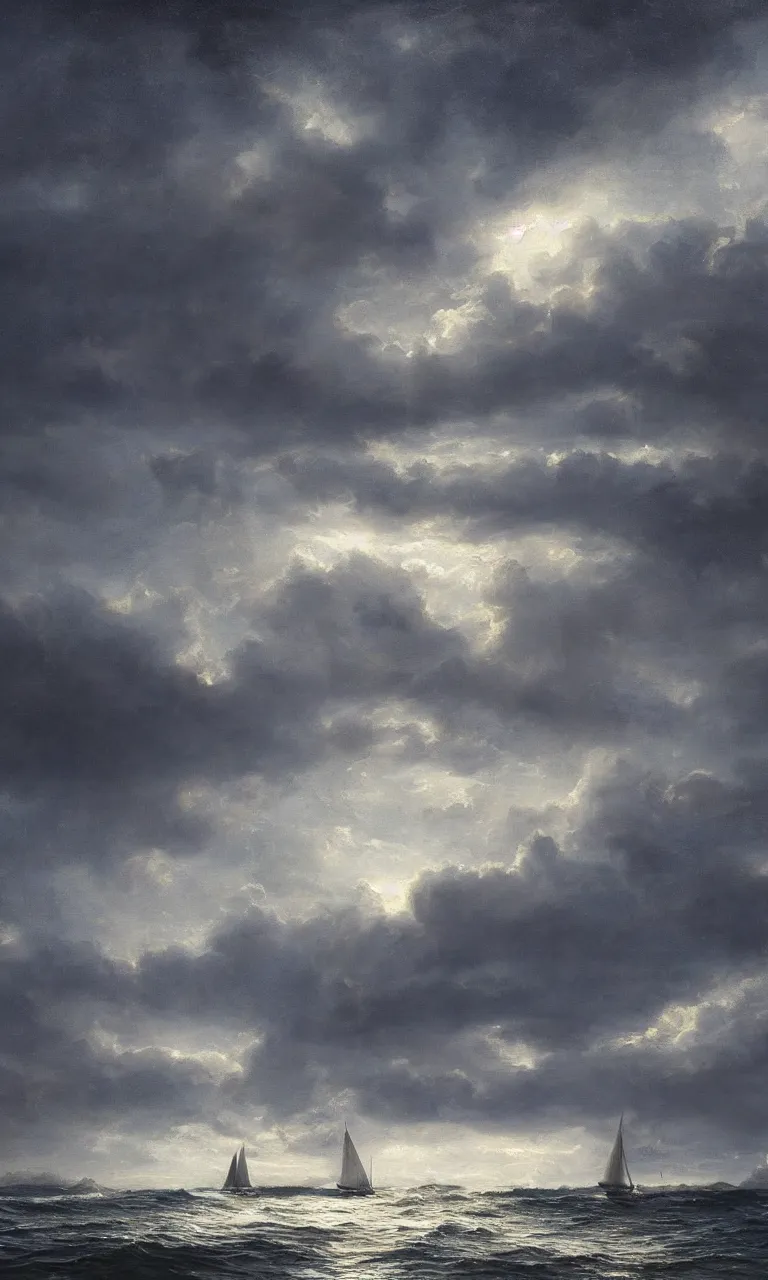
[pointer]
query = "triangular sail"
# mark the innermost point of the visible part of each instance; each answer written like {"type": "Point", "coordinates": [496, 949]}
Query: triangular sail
{"type": "Point", "coordinates": [230, 1181]}
{"type": "Point", "coordinates": [243, 1179]}
{"type": "Point", "coordinates": [616, 1171]}
{"type": "Point", "coordinates": [353, 1176]}
{"type": "Point", "coordinates": [237, 1178]}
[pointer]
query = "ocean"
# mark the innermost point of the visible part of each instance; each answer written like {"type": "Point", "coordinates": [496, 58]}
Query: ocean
{"type": "Point", "coordinates": [431, 1231]}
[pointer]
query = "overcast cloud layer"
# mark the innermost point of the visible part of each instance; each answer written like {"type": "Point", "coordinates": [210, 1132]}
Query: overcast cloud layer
{"type": "Point", "coordinates": [383, 608]}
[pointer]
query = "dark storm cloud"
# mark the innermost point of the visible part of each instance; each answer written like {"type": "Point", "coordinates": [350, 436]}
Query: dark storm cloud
{"type": "Point", "coordinates": [679, 587]}
{"type": "Point", "coordinates": [101, 729]}
{"type": "Point", "coordinates": [662, 896]}
{"type": "Point", "coordinates": [707, 512]}
{"type": "Point", "coordinates": [140, 289]}
{"type": "Point", "coordinates": [673, 894]}
{"type": "Point", "coordinates": [521, 65]}
{"type": "Point", "coordinates": [675, 320]}
{"type": "Point", "coordinates": [715, 1087]}
{"type": "Point", "coordinates": [100, 726]}
{"type": "Point", "coordinates": [558, 660]}
{"type": "Point", "coordinates": [52, 1071]}
{"type": "Point", "coordinates": [681, 332]}
{"type": "Point", "coordinates": [174, 248]}
{"type": "Point", "coordinates": [138, 286]}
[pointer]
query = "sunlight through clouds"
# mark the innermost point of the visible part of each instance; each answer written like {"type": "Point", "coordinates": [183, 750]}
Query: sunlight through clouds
{"type": "Point", "coordinates": [382, 618]}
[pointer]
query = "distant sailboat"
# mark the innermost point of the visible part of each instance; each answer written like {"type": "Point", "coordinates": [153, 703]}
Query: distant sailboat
{"type": "Point", "coordinates": [616, 1180]}
{"type": "Point", "coordinates": [237, 1178]}
{"type": "Point", "coordinates": [353, 1176]}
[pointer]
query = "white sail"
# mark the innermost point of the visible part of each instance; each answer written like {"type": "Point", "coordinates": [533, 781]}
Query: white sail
{"type": "Point", "coordinates": [242, 1170]}
{"type": "Point", "coordinates": [237, 1178]}
{"type": "Point", "coordinates": [353, 1176]}
{"type": "Point", "coordinates": [616, 1171]}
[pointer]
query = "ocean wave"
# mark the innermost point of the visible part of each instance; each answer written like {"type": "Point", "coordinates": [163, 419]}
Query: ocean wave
{"type": "Point", "coordinates": [305, 1233]}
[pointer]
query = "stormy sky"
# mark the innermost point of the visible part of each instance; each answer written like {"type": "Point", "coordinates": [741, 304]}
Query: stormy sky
{"type": "Point", "coordinates": [384, 588]}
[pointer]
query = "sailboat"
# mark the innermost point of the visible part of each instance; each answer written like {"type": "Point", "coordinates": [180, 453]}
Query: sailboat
{"type": "Point", "coordinates": [353, 1177]}
{"type": "Point", "coordinates": [616, 1180]}
{"type": "Point", "coordinates": [237, 1179]}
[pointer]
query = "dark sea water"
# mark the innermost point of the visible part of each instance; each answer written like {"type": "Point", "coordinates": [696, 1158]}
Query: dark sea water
{"type": "Point", "coordinates": [426, 1232]}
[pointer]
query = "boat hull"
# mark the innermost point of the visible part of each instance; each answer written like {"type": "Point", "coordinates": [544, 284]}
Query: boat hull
{"type": "Point", "coordinates": [353, 1191]}
{"type": "Point", "coordinates": [617, 1193]}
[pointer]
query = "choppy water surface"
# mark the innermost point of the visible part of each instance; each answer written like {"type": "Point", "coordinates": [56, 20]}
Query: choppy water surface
{"type": "Point", "coordinates": [425, 1232]}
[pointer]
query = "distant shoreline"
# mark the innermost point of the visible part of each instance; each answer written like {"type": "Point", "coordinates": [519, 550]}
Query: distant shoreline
{"type": "Point", "coordinates": [25, 1182]}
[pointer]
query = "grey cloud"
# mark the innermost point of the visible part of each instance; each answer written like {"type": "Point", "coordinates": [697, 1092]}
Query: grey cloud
{"type": "Point", "coordinates": [496, 945]}
{"type": "Point", "coordinates": [127, 273]}
{"type": "Point", "coordinates": [191, 471]}
{"type": "Point", "coordinates": [677, 327]}
{"type": "Point", "coordinates": [100, 726]}
{"type": "Point", "coordinates": [702, 512]}
{"type": "Point", "coordinates": [678, 599]}
{"type": "Point", "coordinates": [50, 1075]}
{"type": "Point", "coordinates": [660, 897]}
{"type": "Point", "coordinates": [740, 698]}
{"type": "Point", "coordinates": [125, 261]}
{"type": "Point", "coordinates": [175, 248]}
{"type": "Point", "coordinates": [567, 656]}
{"type": "Point", "coordinates": [197, 486]}
{"type": "Point", "coordinates": [714, 1089]}
{"type": "Point", "coordinates": [674, 326]}
{"type": "Point", "coordinates": [556, 662]}
{"type": "Point", "coordinates": [560, 955]}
